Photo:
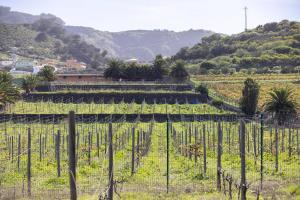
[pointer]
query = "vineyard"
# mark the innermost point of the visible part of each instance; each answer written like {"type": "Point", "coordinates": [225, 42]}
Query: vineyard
{"type": "Point", "coordinates": [215, 154]}
{"type": "Point", "coordinates": [121, 108]}
{"type": "Point", "coordinates": [229, 88]}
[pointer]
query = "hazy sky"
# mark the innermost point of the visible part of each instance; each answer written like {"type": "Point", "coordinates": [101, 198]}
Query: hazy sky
{"type": "Point", "coordinates": [225, 16]}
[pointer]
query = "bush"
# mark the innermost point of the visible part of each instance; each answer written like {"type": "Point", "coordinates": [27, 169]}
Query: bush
{"type": "Point", "coordinates": [202, 89]}
{"type": "Point", "coordinates": [283, 49]}
{"type": "Point", "coordinates": [217, 103]}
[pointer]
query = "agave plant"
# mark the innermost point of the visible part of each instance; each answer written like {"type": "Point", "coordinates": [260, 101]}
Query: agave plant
{"type": "Point", "coordinates": [282, 104]}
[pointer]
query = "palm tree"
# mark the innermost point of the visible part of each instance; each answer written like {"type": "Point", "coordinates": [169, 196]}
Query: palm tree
{"type": "Point", "coordinates": [8, 92]}
{"type": "Point", "coordinates": [5, 77]}
{"type": "Point", "coordinates": [179, 72]}
{"type": "Point", "coordinates": [282, 104]}
{"type": "Point", "coordinates": [29, 83]}
{"type": "Point", "coordinates": [114, 69]}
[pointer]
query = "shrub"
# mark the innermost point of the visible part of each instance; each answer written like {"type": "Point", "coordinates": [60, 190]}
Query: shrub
{"type": "Point", "coordinates": [217, 103]}
{"type": "Point", "coordinates": [202, 89]}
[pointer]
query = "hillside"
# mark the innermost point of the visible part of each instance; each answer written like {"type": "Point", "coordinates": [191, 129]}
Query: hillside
{"type": "Point", "coordinates": [46, 39]}
{"type": "Point", "coordinates": [141, 44]}
{"type": "Point", "coordinates": [260, 49]}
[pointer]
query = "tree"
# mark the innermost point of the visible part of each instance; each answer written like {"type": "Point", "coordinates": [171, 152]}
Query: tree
{"type": "Point", "coordinates": [114, 69]}
{"type": "Point", "coordinates": [208, 65]}
{"type": "Point", "coordinates": [159, 70]}
{"type": "Point", "coordinates": [47, 73]}
{"type": "Point", "coordinates": [282, 104]}
{"type": "Point", "coordinates": [179, 72]}
{"type": "Point", "coordinates": [249, 98]}
{"type": "Point", "coordinates": [29, 83]}
{"type": "Point", "coordinates": [202, 89]}
{"type": "Point", "coordinates": [8, 92]}
{"type": "Point", "coordinates": [41, 37]}
{"type": "Point", "coordinates": [5, 77]}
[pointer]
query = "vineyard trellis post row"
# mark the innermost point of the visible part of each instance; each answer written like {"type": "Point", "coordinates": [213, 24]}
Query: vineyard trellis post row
{"type": "Point", "coordinates": [72, 156]}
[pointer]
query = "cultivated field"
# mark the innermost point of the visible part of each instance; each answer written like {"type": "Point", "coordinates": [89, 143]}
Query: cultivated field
{"type": "Point", "coordinates": [197, 158]}
{"type": "Point", "coordinates": [230, 87]}
{"type": "Point", "coordinates": [189, 174]}
{"type": "Point", "coordinates": [23, 107]}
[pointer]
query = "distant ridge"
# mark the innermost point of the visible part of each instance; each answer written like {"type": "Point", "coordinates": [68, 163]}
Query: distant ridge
{"type": "Point", "coordinates": [140, 44]}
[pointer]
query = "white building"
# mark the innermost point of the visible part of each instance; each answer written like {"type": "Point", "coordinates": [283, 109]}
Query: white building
{"type": "Point", "coordinates": [25, 63]}
{"type": "Point", "coordinates": [6, 63]}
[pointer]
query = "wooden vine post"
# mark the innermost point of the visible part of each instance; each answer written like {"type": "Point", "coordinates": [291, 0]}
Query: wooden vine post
{"type": "Point", "coordinates": [72, 156]}
{"type": "Point", "coordinates": [110, 163]}
{"type": "Point", "coordinates": [132, 151]}
{"type": "Point", "coordinates": [168, 156]}
{"type": "Point", "coordinates": [58, 152]}
{"type": "Point", "coordinates": [276, 148]}
{"type": "Point", "coordinates": [204, 151]}
{"type": "Point", "coordinates": [219, 164]}
{"type": "Point", "coordinates": [29, 163]}
{"type": "Point", "coordinates": [243, 185]}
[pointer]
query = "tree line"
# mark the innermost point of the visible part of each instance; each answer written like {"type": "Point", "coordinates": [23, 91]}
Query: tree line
{"type": "Point", "coordinates": [160, 69]}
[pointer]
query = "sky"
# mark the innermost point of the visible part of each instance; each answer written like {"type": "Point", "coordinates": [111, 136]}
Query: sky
{"type": "Point", "coordinates": [223, 16]}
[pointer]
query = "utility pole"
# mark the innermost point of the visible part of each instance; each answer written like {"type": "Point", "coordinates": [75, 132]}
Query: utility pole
{"type": "Point", "coordinates": [245, 18]}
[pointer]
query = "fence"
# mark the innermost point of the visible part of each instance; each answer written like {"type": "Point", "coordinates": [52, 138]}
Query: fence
{"type": "Point", "coordinates": [229, 159]}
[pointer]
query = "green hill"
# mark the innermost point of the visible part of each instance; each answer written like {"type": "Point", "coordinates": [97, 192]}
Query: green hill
{"type": "Point", "coordinates": [46, 38]}
{"type": "Point", "coordinates": [260, 49]}
{"type": "Point", "coordinates": [141, 44]}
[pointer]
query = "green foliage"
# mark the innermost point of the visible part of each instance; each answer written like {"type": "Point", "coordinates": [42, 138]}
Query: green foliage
{"type": "Point", "coordinates": [29, 83]}
{"type": "Point", "coordinates": [134, 71]}
{"type": "Point", "coordinates": [202, 89]}
{"type": "Point", "coordinates": [8, 92]}
{"type": "Point", "coordinates": [114, 70]}
{"type": "Point", "coordinates": [265, 46]}
{"type": "Point", "coordinates": [178, 71]}
{"type": "Point", "coordinates": [217, 103]}
{"type": "Point", "coordinates": [283, 49]}
{"type": "Point", "coordinates": [47, 38]}
{"type": "Point", "coordinates": [250, 96]}
{"type": "Point", "coordinates": [47, 74]}
{"type": "Point", "coordinates": [281, 103]}
{"type": "Point", "coordinates": [5, 77]}
{"type": "Point", "coordinates": [159, 67]}
{"type": "Point", "coordinates": [41, 37]}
